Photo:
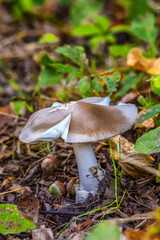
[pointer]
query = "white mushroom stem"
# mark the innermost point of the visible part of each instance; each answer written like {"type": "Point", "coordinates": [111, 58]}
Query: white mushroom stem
{"type": "Point", "coordinates": [86, 159]}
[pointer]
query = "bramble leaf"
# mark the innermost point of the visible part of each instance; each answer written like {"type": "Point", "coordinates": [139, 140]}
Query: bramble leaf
{"type": "Point", "coordinates": [100, 231]}
{"type": "Point", "coordinates": [49, 77]}
{"type": "Point", "coordinates": [84, 87]}
{"type": "Point", "coordinates": [65, 68]}
{"type": "Point", "coordinates": [75, 53]}
{"type": "Point", "coordinates": [128, 82]}
{"type": "Point", "coordinates": [149, 113]}
{"type": "Point", "coordinates": [111, 80]}
{"type": "Point", "coordinates": [149, 142]}
{"type": "Point", "coordinates": [11, 220]}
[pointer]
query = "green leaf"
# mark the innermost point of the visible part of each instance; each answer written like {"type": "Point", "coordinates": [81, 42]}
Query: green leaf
{"type": "Point", "coordinates": [11, 220]}
{"type": "Point", "coordinates": [65, 68]}
{"type": "Point", "coordinates": [49, 77]}
{"type": "Point", "coordinates": [105, 230]}
{"type": "Point", "coordinates": [156, 81]}
{"type": "Point", "coordinates": [149, 113]}
{"type": "Point", "coordinates": [96, 85]}
{"type": "Point", "coordinates": [86, 30]}
{"type": "Point", "coordinates": [120, 28]}
{"type": "Point", "coordinates": [75, 53]}
{"type": "Point", "coordinates": [84, 87]}
{"type": "Point", "coordinates": [96, 41]}
{"type": "Point", "coordinates": [26, 5]}
{"type": "Point", "coordinates": [98, 26]}
{"type": "Point", "coordinates": [145, 29]}
{"type": "Point", "coordinates": [83, 10]}
{"type": "Point", "coordinates": [45, 60]}
{"type": "Point", "coordinates": [128, 82]}
{"type": "Point", "coordinates": [102, 22]}
{"type": "Point", "coordinates": [48, 38]}
{"type": "Point", "coordinates": [119, 50]}
{"type": "Point", "coordinates": [73, 76]}
{"type": "Point", "coordinates": [146, 102]}
{"type": "Point", "coordinates": [138, 8]}
{"type": "Point", "coordinates": [111, 81]}
{"type": "Point", "coordinates": [149, 142]}
{"type": "Point", "coordinates": [154, 89]}
{"type": "Point", "coordinates": [19, 106]}
{"type": "Point", "coordinates": [16, 87]}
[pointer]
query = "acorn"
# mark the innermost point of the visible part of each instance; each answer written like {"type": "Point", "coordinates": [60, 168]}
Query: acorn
{"type": "Point", "coordinates": [57, 189]}
{"type": "Point", "coordinates": [49, 164]}
{"type": "Point", "coordinates": [71, 187]}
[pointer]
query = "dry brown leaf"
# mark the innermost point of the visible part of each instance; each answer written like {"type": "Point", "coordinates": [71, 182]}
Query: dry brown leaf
{"type": "Point", "coordinates": [152, 232]}
{"type": "Point", "coordinates": [126, 146]}
{"type": "Point", "coordinates": [136, 60]}
{"type": "Point", "coordinates": [134, 234]}
{"type": "Point", "coordinates": [134, 164]}
{"type": "Point", "coordinates": [137, 165]}
{"type": "Point", "coordinates": [6, 116]}
{"type": "Point", "coordinates": [129, 97]}
{"type": "Point", "coordinates": [42, 233]}
{"type": "Point", "coordinates": [29, 206]}
{"type": "Point", "coordinates": [148, 124]}
{"type": "Point", "coordinates": [6, 183]}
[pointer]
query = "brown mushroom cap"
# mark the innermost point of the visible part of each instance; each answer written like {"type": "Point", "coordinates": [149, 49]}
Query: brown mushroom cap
{"type": "Point", "coordinates": [87, 122]}
{"type": "Point", "coordinates": [91, 122]}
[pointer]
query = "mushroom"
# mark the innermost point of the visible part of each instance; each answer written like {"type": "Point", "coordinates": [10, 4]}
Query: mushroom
{"type": "Point", "coordinates": [80, 123]}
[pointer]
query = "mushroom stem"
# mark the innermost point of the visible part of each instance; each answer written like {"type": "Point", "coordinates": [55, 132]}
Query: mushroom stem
{"type": "Point", "coordinates": [86, 159]}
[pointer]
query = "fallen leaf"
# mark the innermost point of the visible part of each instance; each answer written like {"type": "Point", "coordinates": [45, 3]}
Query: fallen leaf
{"type": "Point", "coordinates": [42, 233]}
{"type": "Point", "coordinates": [126, 146]}
{"type": "Point", "coordinates": [152, 232]}
{"type": "Point", "coordinates": [134, 164]}
{"type": "Point", "coordinates": [12, 220]}
{"type": "Point", "coordinates": [136, 60]}
{"type": "Point", "coordinates": [148, 124]}
{"type": "Point", "coordinates": [129, 97]}
{"type": "Point", "coordinates": [137, 165]}
{"type": "Point", "coordinates": [6, 183]}
{"type": "Point", "coordinates": [7, 116]}
{"type": "Point", "coordinates": [29, 206]}
{"type": "Point", "coordinates": [134, 234]}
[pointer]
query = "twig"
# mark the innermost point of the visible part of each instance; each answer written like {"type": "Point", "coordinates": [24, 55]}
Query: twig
{"type": "Point", "coordinates": [15, 190]}
{"type": "Point", "coordinates": [60, 212]}
{"type": "Point", "coordinates": [46, 219]}
{"type": "Point", "coordinates": [12, 115]}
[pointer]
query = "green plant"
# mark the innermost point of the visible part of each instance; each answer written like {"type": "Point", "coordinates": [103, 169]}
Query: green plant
{"type": "Point", "coordinates": [97, 30]}
{"type": "Point", "coordinates": [150, 142]}
{"type": "Point", "coordinates": [129, 81]}
{"type": "Point", "coordinates": [12, 221]}
{"type": "Point", "coordinates": [143, 29]}
{"type": "Point", "coordinates": [19, 104]}
{"type": "Point", "coordinates": [82, 10]}
{"type": "Point", "coordinates": [20, 7]}
{"type": "Point", "coordinates": [106, 230]}
{"type": "Point", "coordinates": [86, 79]}
{"type": "Point", "coordinates": [48, 38]}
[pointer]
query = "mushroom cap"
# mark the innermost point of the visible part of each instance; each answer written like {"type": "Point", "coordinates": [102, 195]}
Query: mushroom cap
{"type": "Point", "coordinates": [87, 120]}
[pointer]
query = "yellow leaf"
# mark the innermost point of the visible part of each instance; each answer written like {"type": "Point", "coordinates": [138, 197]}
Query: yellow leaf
{"type": "Point", "coordinates": [136, 60]}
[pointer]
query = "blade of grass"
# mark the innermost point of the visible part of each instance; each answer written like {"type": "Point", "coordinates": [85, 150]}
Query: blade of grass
{"type": "Point", "coordinates": [84, 214]}
{"type": "Point", "coordinates": [115, 171]}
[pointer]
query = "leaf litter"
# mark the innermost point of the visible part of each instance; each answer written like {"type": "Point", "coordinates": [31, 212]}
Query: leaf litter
{"type": "Point", "coordinates": [21, 165]}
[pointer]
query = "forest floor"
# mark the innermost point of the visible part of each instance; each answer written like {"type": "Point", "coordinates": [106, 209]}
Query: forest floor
{"type": "Point", "coordinates": [20, 164]}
